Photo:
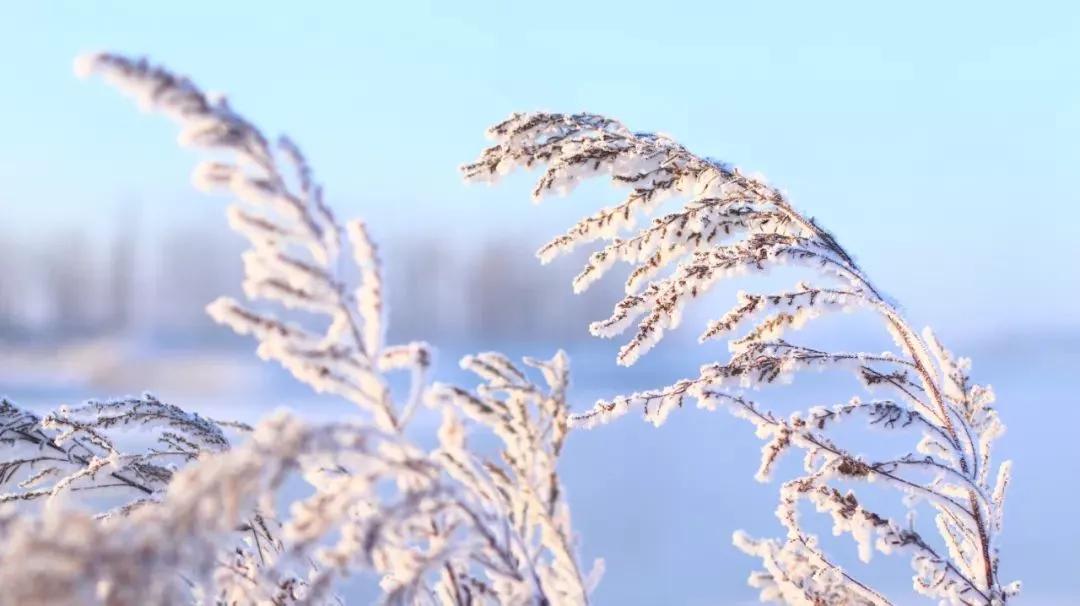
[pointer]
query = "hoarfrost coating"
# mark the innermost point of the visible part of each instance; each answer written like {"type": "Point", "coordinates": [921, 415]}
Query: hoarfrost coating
{"type": "Point", "coordinates": [730, 224]}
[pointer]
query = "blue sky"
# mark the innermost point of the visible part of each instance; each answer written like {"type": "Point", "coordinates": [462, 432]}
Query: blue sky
{"type": "Point", "coordinates": [939, 142]}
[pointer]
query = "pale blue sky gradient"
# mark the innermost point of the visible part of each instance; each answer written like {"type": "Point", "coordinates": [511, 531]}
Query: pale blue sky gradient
{"type": "Point", "coordinates": [939, 142]}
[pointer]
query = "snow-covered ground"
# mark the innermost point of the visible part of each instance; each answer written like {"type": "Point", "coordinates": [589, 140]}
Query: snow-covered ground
{"type": "Point", "coordinates": [658, 504]}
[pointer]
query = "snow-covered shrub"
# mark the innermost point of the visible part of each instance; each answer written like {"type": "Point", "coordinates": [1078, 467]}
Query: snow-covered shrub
{"type": "Point", "coordinates": [729, 224]}
{"type": "Point", "coordinates": [198, 520]}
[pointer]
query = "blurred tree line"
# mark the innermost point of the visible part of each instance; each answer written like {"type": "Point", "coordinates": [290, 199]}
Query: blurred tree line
{"type": "Point", "coordinates": [71, 285]}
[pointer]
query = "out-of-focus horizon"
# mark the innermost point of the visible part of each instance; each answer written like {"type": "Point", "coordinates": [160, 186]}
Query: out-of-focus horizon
{"type": "Point", "coordinates": [937, 141]}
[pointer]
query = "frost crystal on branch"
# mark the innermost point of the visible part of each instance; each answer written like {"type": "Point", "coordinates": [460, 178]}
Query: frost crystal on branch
{"type": "Point", "coordinates": [295, 242]}
{"type": "Point", "coordinates": [79, 450]}
{"type": "Point", "coordinates": [730, 224]}
{"type": "Point", "coordinates": [521, 492]}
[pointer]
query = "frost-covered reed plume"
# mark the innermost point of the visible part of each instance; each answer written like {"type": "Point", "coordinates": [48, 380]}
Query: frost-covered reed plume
{"type": "Point", "coordinates": [727, 224]}
{"type": "Point", "coordinates": [296, 247]}
{"type": "Point", "coordinates": [526, 544]}
{"type": "Point", "coordinates": [449, 525]}
{"type": "Point", "coordinates": [184, 549]}
{"type": "Point", "coordinates": [82, 450]}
